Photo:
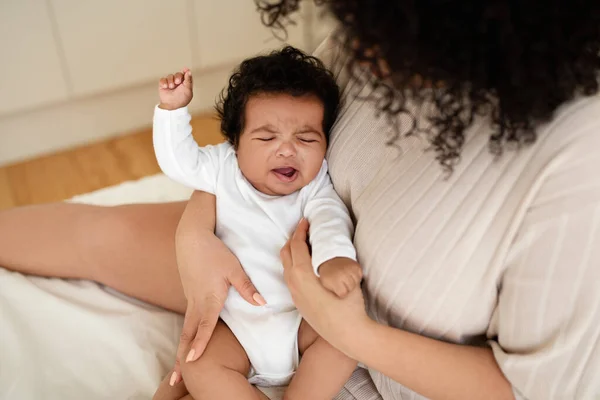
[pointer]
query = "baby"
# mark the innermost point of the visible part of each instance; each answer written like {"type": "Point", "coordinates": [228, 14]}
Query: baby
{"type": "Point", "coordinates": [276, 115]}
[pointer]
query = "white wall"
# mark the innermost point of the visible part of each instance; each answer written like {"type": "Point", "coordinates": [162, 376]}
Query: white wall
{"type": "Point", "coordinates": [76, 71]}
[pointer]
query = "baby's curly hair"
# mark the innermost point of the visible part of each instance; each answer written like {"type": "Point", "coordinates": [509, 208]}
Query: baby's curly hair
{"type": "Point", "coordinates": [286, 71]}
{"type": "Point", "coordinates": [516, 61]}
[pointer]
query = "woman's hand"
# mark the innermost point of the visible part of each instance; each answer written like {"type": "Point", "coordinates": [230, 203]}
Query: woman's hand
{"type": "Point", "coordinates": [338, 321]}
{"type": "Point", "coordinates": [207, 269]}
{"type": "Point", "coordinates": [428, 366]}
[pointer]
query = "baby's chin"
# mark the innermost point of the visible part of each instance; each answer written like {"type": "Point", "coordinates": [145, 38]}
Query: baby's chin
{"type": "Point", "coordinates": [277, 190]}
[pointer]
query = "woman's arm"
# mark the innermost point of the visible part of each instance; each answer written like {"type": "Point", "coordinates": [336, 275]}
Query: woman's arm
{"type": "Point", "coordinates": [430, 367]}
{"type": "Point", "coordinates": [207, 268]}
{"type": "Point", "coordinates": [435, 369]}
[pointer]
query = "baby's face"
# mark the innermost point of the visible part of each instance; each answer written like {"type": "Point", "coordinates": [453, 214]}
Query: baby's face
{"type": "Point", "coordinates": [283, 144]}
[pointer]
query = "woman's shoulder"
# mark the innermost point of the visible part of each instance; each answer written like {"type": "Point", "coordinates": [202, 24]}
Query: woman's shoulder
{"type": "Point", "coordinates": [574, 121]}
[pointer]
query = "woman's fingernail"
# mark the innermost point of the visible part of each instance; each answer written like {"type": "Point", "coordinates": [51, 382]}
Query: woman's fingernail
{"type": "Point", "coordinates": [259, 299]}
{"type": "Point", "coordinates": [190, 356]}
{"type": "Point", "coordinates": [173, 378]}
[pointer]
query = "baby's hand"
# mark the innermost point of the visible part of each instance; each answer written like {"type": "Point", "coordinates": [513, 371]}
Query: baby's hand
{"type": "Point", "coordinates": [340, 275]}
{"type": "Point", "coordinates": [176, 91]}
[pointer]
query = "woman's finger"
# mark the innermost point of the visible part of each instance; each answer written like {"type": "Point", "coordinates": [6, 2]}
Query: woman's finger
{"type": "Point", "coordinates": [298, 247]}
{"type": "Point", "coordinates": [188, 333]}
{"type": "Point", "coordinates": [286, 255]}
{"type": "Point", "coordinates": [176, 376]}
{"type": "Point", "coordinates": [240, 281]}
{"type": "Point", "coordinates": [208, 318]}
{"type": "Point", "coordinates": [166, 391]}
{"type": "Point", "coordinates": [301, 232]}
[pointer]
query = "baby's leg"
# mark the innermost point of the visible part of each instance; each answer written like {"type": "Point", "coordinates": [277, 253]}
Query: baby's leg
{"type": "Point", "coordinates": [168, 392]}
{"type": "Point", "coordinates": [221, 372]}
{"type": "Point", "coordinates": [323, 369]}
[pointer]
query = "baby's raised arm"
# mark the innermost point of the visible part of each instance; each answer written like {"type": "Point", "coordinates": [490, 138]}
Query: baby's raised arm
{"type": "Point", "coordinates": [177, 153]}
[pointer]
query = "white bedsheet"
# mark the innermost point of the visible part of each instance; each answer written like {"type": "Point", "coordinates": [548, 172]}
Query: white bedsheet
{"type": "Point", "coordinates": [67, 340]}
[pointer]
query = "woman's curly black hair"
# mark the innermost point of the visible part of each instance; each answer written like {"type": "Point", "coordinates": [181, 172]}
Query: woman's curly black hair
{"type": "Point", "coordinates": [514, 60]}
{"type": "Point", "coordinates": [286, 71]}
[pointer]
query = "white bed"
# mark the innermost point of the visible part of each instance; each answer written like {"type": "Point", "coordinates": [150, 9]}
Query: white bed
{"type": "Point", "coordinates": [78, 340]}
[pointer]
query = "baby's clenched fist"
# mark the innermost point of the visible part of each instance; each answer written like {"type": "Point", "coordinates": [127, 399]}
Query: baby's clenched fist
{"type": "Point", "coordinates": [340, 275]}
{"type": "Point", "coordinates": [176, 90]}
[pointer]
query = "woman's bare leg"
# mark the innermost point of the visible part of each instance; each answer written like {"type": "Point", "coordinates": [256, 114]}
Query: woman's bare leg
{"type": "Point", "coordinates": [130, 248]}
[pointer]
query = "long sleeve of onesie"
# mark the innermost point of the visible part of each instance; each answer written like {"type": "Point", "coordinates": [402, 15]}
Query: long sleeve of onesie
{"type": "Point", "coordinates": [331, 227]}
{"type": "Point", "coordinates": [178, 154]}
{"type": "Point", "coordinates": [181, 159]}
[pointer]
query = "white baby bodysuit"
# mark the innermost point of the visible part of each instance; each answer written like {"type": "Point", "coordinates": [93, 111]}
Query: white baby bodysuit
{"type": "Point", "coordinates": [255, 227]}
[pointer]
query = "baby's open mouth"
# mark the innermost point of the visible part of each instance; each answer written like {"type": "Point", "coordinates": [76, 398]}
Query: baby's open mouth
{"type": "Point", "coordinates": [286, 174]}
{"type": "Point", "coordinates": [288, 171]}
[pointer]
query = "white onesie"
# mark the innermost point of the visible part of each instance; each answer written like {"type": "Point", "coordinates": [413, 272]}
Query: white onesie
{"type": "Point", "coordinates": [255, 226]}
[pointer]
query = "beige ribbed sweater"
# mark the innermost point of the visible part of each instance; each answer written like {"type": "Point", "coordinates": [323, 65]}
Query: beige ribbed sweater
{"type": "Point", "coordinates": [505, 251]}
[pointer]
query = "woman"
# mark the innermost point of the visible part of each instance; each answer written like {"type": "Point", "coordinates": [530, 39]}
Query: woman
{"type": "Point", "coordinates": [465, 151]}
